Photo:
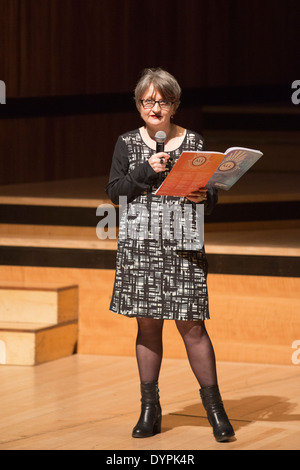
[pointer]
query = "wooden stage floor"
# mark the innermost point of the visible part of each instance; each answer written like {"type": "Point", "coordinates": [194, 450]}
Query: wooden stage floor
{"type": "Point", "coordinates": [86, 402]}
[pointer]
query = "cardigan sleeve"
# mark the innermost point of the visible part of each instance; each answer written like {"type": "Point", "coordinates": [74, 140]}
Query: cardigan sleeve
{"type": "Point", "coordinates": [211, 201]}
{"type": "Point", "coordinates": [123, 183]}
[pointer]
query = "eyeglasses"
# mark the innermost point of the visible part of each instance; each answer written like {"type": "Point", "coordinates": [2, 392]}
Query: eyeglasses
{"type": "Point", "coordinates": [148, 104]}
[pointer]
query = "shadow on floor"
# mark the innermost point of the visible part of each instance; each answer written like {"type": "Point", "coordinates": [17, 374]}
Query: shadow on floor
{"type": "Point", "coordinates": [241, 412]}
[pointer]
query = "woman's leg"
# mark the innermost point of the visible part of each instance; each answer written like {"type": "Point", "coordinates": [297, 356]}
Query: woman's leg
{"type": "Point", "coordinates": [202, 360]}
{"type": "Point", "coordinates": [149, 348]}
{"type": "Point", "coordinates": [149, 357]}
{"type": "Point", "coordinates": [199, 350]}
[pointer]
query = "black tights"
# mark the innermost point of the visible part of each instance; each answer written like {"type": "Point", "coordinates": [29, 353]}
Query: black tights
{"type": "Point", "coordinates": [149, 350]}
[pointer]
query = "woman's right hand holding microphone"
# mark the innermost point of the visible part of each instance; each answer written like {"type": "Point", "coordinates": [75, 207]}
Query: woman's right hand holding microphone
{"type": "Point", "coordinates": [158, 161]}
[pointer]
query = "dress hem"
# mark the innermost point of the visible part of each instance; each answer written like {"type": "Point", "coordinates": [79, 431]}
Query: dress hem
{"type": "Point", "coordinates": [134, 315]}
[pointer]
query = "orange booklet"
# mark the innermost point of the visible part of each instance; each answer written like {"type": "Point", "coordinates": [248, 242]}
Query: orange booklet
{"type": "Point", "coordinates": [195, 170]}
{"type": "Point", "coordinates": [191, 172]}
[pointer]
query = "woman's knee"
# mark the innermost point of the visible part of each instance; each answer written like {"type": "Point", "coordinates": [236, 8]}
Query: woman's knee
{"type": "Point", "coordinates": [149, 325]}
{"type": "Point", "coordinates": [191, 329]}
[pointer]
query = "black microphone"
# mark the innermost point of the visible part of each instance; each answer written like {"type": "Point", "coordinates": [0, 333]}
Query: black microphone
{"type": "Point", "coordinates": [160, 138]}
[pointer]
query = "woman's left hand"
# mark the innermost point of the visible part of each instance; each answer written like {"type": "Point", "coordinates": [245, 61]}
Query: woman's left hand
{"type": "Point", "coordinates": [198, 196]}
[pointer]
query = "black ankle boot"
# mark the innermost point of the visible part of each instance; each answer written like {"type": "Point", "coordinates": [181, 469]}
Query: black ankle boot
{"type": "Point", "coordinates": [216, 414]}
{"type": "Point", "coordinates": [149, 422]}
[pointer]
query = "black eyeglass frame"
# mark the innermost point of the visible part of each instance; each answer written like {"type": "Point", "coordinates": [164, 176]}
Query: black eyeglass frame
{"type": "Point", "coordinates": [170, 103]}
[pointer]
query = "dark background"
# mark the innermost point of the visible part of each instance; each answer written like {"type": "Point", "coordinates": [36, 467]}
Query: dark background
{"type": "Point", "coordinates": [70, 68]}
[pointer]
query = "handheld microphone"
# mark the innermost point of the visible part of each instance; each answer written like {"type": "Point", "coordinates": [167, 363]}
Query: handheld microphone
{"type": "Point", "coordinates": [160, 138]}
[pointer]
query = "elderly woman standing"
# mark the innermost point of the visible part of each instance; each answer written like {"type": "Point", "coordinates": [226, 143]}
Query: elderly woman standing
{"type": "Point", "coordinates": [159, 277]}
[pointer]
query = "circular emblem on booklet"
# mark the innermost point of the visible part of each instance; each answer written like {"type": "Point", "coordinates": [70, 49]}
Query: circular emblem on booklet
{"type": "Point", "coordinates": [227, 166]}
{"type": "Point", "coordinates": [199, 161]}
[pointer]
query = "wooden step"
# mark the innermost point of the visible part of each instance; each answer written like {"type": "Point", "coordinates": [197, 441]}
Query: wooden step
{"type": "Point", "coordinates": [253, 318]}
{"type": "Point", "coordinates": [73, 203]}
{"type": "Point", "coordinates": [272, 238]}
{"type": "Point", "coordinates": [36, 303]}
{"type": "Point", "coordinates": [231, 248]}
{"type": "Point", "coordinates": [54, 237]}
{"type": "Point", "coordinates": [34, 343]}
{"type": "Point", "coordinates": [257, 315]}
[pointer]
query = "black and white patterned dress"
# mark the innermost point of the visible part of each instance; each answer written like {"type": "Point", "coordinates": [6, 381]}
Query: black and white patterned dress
{"type": "Point", "coordinates": [158, 274]}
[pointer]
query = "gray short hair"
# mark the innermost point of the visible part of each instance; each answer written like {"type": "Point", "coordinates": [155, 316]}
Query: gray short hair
{"type": "Point", "coordinates": [163, 82]}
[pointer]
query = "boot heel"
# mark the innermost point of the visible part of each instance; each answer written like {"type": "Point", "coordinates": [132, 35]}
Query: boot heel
{"type": "Point", "coordinates": [157, 426]}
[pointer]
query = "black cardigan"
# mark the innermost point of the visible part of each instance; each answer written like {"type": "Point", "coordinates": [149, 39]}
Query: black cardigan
{"type": "Point", "coordinates": [122, 183]}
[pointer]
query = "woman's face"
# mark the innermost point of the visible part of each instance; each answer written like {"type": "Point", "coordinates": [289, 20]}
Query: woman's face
{"type": "Point", "coordinates": [155, 117]}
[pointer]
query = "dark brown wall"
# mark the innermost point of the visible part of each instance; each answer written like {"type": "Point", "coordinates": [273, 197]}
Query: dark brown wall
{"type": "Point", "coordinates": [58, 47]}
{"type": "Point", "coordinates": [54, 48]}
